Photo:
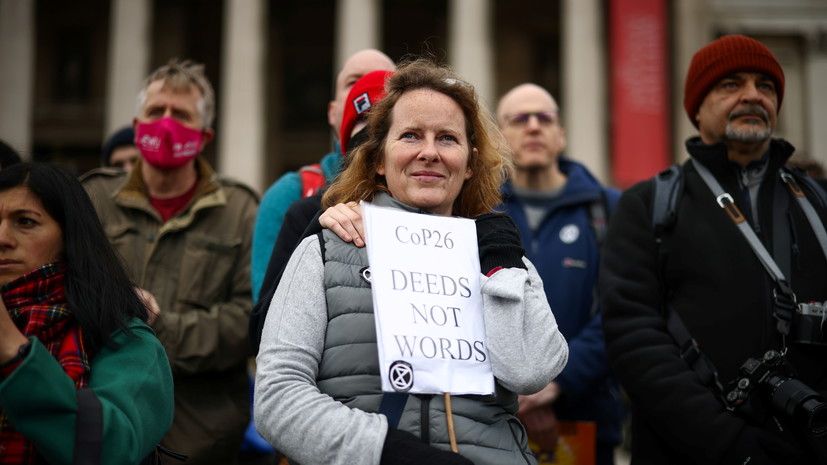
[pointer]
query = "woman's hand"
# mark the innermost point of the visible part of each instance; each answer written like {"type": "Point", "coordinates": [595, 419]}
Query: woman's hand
{"type": "Point", "coordinates": [543, 397]}
{"type": "Point", "coordinates": [10, 337]}
{"type": "Point", "coordinates": [345, 219]}
{"type": "Point", "coordinates": [537, 415]}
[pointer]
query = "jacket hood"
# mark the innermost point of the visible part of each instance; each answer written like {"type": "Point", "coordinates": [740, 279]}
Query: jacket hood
{"type": "Point", "coordinates": [715, 155]}
{"type": "Point", "coordinates": [581, 185]}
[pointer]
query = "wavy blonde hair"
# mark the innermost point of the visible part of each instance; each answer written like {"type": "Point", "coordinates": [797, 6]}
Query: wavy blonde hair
{"type": "Point", "coordinates": [490, 166]}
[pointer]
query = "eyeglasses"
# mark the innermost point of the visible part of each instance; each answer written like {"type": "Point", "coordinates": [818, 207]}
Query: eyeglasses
{"type": "Point", "coordinates": [545, 118]}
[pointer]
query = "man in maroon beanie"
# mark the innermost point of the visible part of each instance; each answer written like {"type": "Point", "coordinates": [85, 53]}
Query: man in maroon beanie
{"type": "Point", "coordinates": [694, 298]}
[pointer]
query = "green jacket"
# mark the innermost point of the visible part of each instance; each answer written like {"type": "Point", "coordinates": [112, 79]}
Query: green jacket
{"type": "Point", "coordinates": [197, 265]}
{"type": "Point", "coordinates": [132, 381]}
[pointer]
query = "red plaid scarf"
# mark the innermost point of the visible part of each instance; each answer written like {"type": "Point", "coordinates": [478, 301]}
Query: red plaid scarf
{"type": "Point", "coordinates": [37, 304]}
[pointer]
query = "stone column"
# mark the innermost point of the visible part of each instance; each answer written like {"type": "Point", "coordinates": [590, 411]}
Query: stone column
{"type": "Point", "coordinates": [584, 82]}
{"type": "Point", "coordinates": [470, 47]}
{"type": "Point", "coordinates": [241, 137]}
{"type": "Point", "coordinates": [358, 23]}
{"type": "Point", "coordinates": [816, 77]}
{"type": "Point", "coordinates": [17, 73]}
{"type": "Point", "coordinates": [691, 24]}
{"type": "Point", "coordinates": [128, 64]}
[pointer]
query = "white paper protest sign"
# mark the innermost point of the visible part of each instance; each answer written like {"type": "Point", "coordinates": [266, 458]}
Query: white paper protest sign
{"type": "Point", "coordinates": [425, 279]}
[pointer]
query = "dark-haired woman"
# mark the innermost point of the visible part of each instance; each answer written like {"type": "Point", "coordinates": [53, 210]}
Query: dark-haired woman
{"type": "Point", "coordinates": [70, 319]}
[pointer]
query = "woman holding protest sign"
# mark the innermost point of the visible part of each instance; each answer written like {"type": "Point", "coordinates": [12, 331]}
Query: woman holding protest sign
{"type": "Point", "coordinates": [431, 149]}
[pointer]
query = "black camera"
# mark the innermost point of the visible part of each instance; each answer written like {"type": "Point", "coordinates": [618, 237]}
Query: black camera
{"type": "Point", "coordinates": [790, 398]}
{"type": "Point", "coordinates": [809, 323]}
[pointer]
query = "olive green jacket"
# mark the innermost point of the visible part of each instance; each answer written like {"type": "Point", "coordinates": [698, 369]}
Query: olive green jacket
{"type": "Point", "coordinates": [197, 265]}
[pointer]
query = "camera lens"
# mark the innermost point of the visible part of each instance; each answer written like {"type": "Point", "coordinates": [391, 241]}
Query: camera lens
{"type": "Point", "coordinates": [817, 415]}
{"type": "Point", "coordinates": [799, 402]}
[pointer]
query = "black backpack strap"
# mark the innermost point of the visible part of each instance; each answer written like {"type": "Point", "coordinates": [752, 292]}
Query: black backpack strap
{"type": "Point", "coordinates": [89, 434]}
{"type": "Point", "coordinates": [599, 217]}
{"type": "Point", "coordinates": [599, 213]}
{"type": "Point", "coordinates": [666, 192]}
{"type": "Point", "coordinates": [88, 428]}
{"type": "Point", "coordinates": [425, 417]}
{"type": "Point", "coordinates": [667, 189]}
{"type": "Point", "coordinates": [691, 352]}
{"type": "Point", "coordinates": [320, 235]}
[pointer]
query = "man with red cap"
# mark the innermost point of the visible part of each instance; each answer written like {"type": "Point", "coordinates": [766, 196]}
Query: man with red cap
{"type": "Point", "coordinates": [364, 94]}
{"type": "Point", "coordinates": [713, 312]}
{"type": "Point", "coordinates": [292, 186]}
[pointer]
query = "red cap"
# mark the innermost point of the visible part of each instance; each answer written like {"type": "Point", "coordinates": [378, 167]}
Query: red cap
{"type": "Point", "coordinates": [364, 94]}
{"type": "Point", "coordinates": [720, 58]}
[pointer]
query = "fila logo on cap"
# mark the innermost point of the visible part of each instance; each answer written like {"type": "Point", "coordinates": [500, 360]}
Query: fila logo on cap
{"type": "Point", "coordinates": [362, 103]}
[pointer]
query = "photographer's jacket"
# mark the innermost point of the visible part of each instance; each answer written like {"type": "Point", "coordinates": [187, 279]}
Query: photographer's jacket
{"type": "Point", "coordinates": [718, 287]}
{"type": "Point", "coordinates": [197, 265]}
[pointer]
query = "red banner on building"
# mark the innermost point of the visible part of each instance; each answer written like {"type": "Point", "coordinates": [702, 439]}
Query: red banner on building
{"type": "Point", "coordinates": [640, 117]}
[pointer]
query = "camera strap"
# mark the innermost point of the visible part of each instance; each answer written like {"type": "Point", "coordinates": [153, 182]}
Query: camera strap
{"type": "Point", "coordinates": [783, 296]}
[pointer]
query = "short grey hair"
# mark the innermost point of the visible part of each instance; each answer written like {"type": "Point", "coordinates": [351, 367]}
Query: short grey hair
{"type": "Point", "coordinates": [181, 75]}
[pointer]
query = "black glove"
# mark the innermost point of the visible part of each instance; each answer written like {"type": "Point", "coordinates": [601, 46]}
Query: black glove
{"type": "Point", "coordinates": [403, 448]}
{"type": "Point", "coordinates": [757, 446]}
{"type": "Point", "coordinates": [499, 242]}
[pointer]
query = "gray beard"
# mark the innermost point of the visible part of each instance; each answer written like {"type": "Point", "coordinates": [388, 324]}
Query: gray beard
{"type": "Point", "coordinates": [750, 135]}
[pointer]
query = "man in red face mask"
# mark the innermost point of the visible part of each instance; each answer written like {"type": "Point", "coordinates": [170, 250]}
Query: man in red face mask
{"type": "Point", "coordinates": [185, 235]}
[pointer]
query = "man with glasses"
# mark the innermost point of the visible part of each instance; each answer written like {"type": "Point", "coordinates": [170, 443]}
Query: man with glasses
{"type": "Point", "coordinates": [561, 210]}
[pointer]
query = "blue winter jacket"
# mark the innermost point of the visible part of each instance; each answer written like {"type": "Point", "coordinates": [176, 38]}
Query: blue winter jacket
{"type": "Point", "coordinates": [566, 253]}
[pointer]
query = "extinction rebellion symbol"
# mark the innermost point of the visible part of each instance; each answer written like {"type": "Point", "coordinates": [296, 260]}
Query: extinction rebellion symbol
{"type": "Point", "coordinates": [401, 376]}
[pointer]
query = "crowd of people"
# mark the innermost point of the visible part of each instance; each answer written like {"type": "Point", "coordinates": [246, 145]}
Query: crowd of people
{"type": "Point", "coordinates": [134, 298]}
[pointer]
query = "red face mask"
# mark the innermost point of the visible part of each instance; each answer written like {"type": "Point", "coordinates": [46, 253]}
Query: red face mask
{"type": "Point", "coordinates": [167, 144]}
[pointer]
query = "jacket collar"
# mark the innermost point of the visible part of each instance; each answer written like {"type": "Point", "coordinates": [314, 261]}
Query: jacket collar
{"type": "Point", "coordinates": [581, 186]}
{"type": "Point", "coordinates": [715, 157]}
{"type": "Point", "coordinates": [208, 193]}
{"type": "Point", "coordinates": [383, 199]}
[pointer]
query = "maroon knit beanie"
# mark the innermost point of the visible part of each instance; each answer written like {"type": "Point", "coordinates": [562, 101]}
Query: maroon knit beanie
{"type": "Point", "coordinates": [725, 56]}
